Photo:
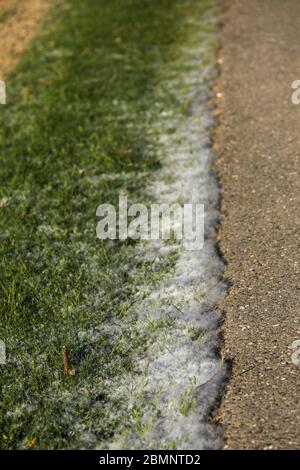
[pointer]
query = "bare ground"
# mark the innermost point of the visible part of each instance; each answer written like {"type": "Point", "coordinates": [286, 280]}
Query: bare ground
{"type": "Point", "coordinates": [19, 21]}
{"type": "Point", "coordinates": [258, 144]}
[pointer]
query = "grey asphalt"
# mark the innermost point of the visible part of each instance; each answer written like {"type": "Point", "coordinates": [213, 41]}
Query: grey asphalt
{"type": "Point", "coordinates": [259, 148]}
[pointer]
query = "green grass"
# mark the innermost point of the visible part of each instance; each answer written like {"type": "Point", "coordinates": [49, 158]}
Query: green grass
{"type": "Point", "coordinates": [80, 106]}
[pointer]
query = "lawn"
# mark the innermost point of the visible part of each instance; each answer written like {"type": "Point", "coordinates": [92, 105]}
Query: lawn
{"type": "Point", "coordinates": [77, 130]}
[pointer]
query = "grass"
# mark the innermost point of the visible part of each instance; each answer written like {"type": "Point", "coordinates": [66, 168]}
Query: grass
{"type": "Point", "coordinates": [75, 133]}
